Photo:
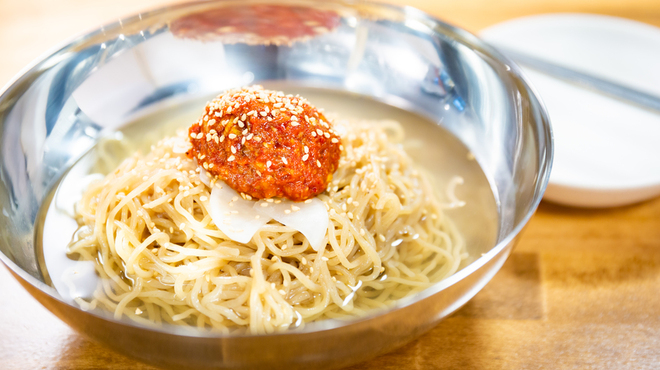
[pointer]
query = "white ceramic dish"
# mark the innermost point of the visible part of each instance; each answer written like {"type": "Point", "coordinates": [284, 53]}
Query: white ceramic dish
{"type": "Point", "coordinates": [607, 151]}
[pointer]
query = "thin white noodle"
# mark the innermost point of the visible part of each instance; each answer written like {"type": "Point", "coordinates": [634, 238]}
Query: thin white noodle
{"type": "Point", "coordinates": [162, 260]}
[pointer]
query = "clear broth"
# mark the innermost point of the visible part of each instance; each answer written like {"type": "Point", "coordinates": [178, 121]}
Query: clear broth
{"type": "Point", "coordinates": [431, 146]}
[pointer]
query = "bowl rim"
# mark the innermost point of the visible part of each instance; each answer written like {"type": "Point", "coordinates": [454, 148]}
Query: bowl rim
{"type": "Point", "coordinates": [542, 177]}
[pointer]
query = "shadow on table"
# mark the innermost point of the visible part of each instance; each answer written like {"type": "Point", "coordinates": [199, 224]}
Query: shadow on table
{"type": "Point", "coordinates": [81, 353]}
{"type": "Point", "coordinates": [514, 294]}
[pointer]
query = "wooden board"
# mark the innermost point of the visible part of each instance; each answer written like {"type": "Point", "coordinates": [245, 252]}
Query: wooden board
{"type": "Point", "coordinates": [580, 291]}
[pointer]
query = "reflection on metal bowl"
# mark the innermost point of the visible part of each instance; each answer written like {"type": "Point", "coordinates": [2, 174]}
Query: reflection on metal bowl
{"type": "Point", "coordinates": [399, 58]}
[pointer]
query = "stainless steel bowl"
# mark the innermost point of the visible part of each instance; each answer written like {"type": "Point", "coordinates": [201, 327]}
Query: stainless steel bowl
{"type": "Point", "coordinates": [56, 109]}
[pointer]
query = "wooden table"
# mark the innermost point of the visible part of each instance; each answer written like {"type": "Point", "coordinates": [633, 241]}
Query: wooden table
{"type": "Point", "coordinates": [581, 290]}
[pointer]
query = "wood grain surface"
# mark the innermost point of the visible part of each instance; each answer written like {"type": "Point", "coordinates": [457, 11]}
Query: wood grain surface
{"type": "Point", "coordinates": [580, 291]}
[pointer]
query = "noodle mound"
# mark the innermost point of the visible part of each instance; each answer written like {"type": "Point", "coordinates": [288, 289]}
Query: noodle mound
{"type": "Point", "coordinates": [163, 260]}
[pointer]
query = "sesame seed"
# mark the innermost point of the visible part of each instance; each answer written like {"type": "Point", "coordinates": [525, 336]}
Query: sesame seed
{"type": "Point", "coordinates": [244, 132]}
{"type": "Point", "coordinates": [284, 160]}
{"type": "Point", "coordinates": [232, 136]}
{"type": "Point", "coordinates": [327, 135]}
{"type": "Point", "coordinates": [313, 134]}
{"type": "Point", "coordinates": [319, 131]}
{"type": "Point", "coordinates": [308, 201]}
{"type": "Point", "coordinates": [287, 211]}
{"type": "Point", "coordinates": [212, 121]}
{"type": "Point", "coordinates": [231, 158]}
{"type": "Point", "coordinates": [304, 157]}
{"type": "Point", "coordinates": [249, 137]}
{"type": "Point", "coordinates": [306, 149]}
{"type": "Point", "coordinates": [334, 140]}
{"type": "Point", "coordinates": [193, 135]}
{"type": "Point", "coordinates": [294, 124]}
{"type": "Point", "coordinates": [268, 164]}
{"type": "Point", "coordinates": [318, 163]}
{"type": "Point", "coordinates": [222, 138]}
{"type": "Point", "coordinates": [211, 165]}
{"type": "Point", "coordinates": [233, 149]}
{"type": "Point", "coordinates": [241, 124]}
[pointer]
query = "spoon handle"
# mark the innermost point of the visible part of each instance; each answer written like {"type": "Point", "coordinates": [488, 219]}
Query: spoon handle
{"type": "Point", "coordinates": [585, 80]}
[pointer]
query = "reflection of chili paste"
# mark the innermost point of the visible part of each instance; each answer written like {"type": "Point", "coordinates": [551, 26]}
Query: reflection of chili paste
{"type": "Point", "coordinates": [256, 24]}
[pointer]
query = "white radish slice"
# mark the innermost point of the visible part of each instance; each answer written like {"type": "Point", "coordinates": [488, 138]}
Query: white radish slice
{"type": "Point", "coordinates": [233, 215]}
{"type": "Point", "coordinates": [205, 178]}
{"type": "Point", "coordinates": [243, 218]}
{"type": "Point", "coordinates": [311, 218]}
{"type": "Point", "coordinates": [180, 145]}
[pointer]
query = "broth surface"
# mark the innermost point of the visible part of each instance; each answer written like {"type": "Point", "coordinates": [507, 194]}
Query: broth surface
{"type": "Point", "coordinates": [432, 147]}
